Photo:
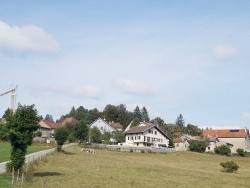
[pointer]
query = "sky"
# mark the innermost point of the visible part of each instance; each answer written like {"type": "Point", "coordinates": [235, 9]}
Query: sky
{"type": "Point", "coordinates": [173, 57]}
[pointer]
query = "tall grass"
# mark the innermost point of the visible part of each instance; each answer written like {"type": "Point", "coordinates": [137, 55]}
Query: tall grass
{"type": "Point", "coordinates": [124, 169]}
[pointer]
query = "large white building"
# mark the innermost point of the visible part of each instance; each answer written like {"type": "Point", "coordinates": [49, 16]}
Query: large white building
{"type": "Point", "coordinates": [103, 125]}
{"type": "Point", "coordinates": [146, 134]}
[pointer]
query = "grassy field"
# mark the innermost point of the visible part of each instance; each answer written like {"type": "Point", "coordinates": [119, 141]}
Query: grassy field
{"type": "Point", "coordinates": [5, 150]}
{"type": "Point", "coordinates": [124, 169]}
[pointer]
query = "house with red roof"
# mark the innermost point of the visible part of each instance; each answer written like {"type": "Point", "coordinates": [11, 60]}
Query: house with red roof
{"type": "Point", "coordinates": [48, 127]}
{"type": "Point", "coordinates": [233, 138]}
{"type": "Point", "coordinates": [103, 125]}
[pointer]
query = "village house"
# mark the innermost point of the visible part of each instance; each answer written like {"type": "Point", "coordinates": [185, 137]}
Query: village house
{"type": "Point", "coordinates": [146, 134]}
{"type": "Point", "coordinates": [103, 125]}
{"type": "Point", "coordinates": [233, 138]}
{"type": "Point", "coordinates": [48, 127]}
{"type": "Point", "coordinates": [181, 144]}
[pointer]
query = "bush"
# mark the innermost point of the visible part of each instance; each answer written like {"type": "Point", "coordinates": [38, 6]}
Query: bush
{"type": "Point", "coordinates": [222, 150]}
{"type": "Point", "coordinates": [61, 136]}
{"type": "Point", "coordinates": [38, 133]}
{"type": "Point", "coordinates": [229, 166]}
{"type": "Point", "coordinates": [241, 152]}
{"type": "Point", "coordinates": [198, 146]}
{"type": "Point", "coordinates": [142, 151]}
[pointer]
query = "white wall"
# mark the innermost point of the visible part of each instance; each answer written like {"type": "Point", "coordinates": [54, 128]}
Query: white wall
{"type": "Point", "coordinates": [102, 126]}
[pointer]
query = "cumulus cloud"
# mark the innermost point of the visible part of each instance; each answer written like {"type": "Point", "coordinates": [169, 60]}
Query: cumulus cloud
{"type": "Point", "coordinates": [26, 39]}
{"type": "Point", "coordinates": [224, 52]}
{"type": "Point", "coordinates": [133, 87]}
{"type": "Point", "coordinates": [89, 91]}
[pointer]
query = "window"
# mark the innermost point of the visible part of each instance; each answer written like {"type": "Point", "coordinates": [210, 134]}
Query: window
{"type": "Point", "coordinates": [139, 137]}
{"type": "Point", "coordinates": [131, 137]}
{"type": "Point", "coordinates": [128, 137]}
{"type": "Point", "coordinates": [155, 132]}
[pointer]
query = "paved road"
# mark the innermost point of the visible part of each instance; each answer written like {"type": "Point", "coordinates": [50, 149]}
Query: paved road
{"type": "Point", "coordinates": [33, 156]}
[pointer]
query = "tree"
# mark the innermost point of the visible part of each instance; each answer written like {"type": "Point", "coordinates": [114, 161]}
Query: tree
{"type": "Point", "coordinates": [4, 133]}
{"type": "Point", "coordinates": [158, 121]}
{"type": "Point", "coordinates": [49, 117]}
{"type": "Point", "coordinates": [72, 112]}
{"type": "Point", "coordinates": [193, 130]}
{"type": "Point", "coordinates": [61, 136]}
{"type": "Point", "coordinates": [144, 114]}
{"type": "Point", "coordinates": [7, 113]}
{"type": "Point", "coordinates": [180, 122]}
{"type": "Point", "coordinates": [198, 146]}
{"type": "Point", "coordinates": [135, 122]}
{"type": "Point", "coordinates": [106, 136]}
{"type": "Point", "coordinates": [137, 113]}
{"type": "Point", "coordinates": [92, 115]}
{"type": "Point", "coordinates": [81, 131]}
{"type": "Point", "coordinates": [119, 136]}
{"type": "Point", "coordinates": [21, 127]}
{"type": "Point", "coordinates": [96, 135]}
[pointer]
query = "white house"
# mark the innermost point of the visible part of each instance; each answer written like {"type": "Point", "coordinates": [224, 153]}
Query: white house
{"type": "Point", "coordinates": [102, 125]}
{"type": "Point", "coordinates": [146, 134]}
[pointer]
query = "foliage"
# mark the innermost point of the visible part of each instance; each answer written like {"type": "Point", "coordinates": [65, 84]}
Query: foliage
{"type": "Point", "coordinates": [137, 113]}
{"type": "Point", "coordinates": [171, 143]}
{"type": "Point", "coordinates": [7, 113]}
{"type": "Point", "coordinates": [4, 133]}
{"type": "Point", "coordinates": [70, 128]}
{"type": "Point", "coordinates": [193, 130]}
{"type": "Point", "coordinates": [81, 131]}
{"type": "Point", "coordinates": [96, 135]}
{"type": "Point", "coordinates": [180, 122]}
{"type": "Point", "coordinates": [135, 122]}
{"type": "Point", "coordinates": [119, 136]}
{"type": "Point", "coordinates": [21, 126]}
{"type": "Point", "coordinates": [72, 138]}
{"type": "Point", "coordinates": [222, 150]}
{"type": "Point", "coordinates": [61, 136]}
{"type": "Point", "coordinates": [198, 146]}
{"type": "Point", "coordinates": [144, 114]}
{"type": "Point", "coordinates": [241, 152]}
{"type": "Point", "coordinates": [49, 117]}
{"type": "Point", "coordinates": [158, 121]}
{"type": "Point", "coordinates": [106, 136]}
{"type": "Point", "coordinates": [229, 166]}
{"type": "Point", "coordinates": [38, 133]}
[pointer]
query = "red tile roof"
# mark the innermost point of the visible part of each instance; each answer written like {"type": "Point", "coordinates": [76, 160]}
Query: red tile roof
{"type": "Point", "coordinates": [69, 120]}
{"type": "Point", "coordinates": [115, 125]}
{"type": "Point", "coordinates": [226, 133]}
{"type": "Point", "coordinates": [62, 123]}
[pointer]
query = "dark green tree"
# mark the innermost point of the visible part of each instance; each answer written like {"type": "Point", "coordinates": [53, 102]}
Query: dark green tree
{"type": "Point", "coordinates": [4, 133]}
{"type": "Point", "coordinates": [7, 113]}
{"type": "Point", "coordinates": [158, 121]}
{"type": "Point", "coordinates": [144, 114]}
{"type": "Point", "coordinates": [110, 113]}
{"type": "Point", "coordinates": [135, 122]}
{"type": "Point", "coordinates": [92, 115]}
{"type": "Point", "coordinates": [21, 125]}
{"type": "Point", "coordinates": [80, 113]}
{"type": "Point", "coordinates": [137, 113]}
{"type": "Point", "coordinates": [81, 131]}
{"type": "Point", "coordinates": [106, 136]}
{"type": "Point", "coordinates": [180, 122]}
{"type": "Point", "coordinates": [193, 130]}
{"type": "Point", "coordinates": [61, 136]}
{"type": "Point", "coordinates": [96, 135]}
{"type": "Point", "coordinates": [49, 117]}
{"type": "Point", "coordinates": [72, 112]}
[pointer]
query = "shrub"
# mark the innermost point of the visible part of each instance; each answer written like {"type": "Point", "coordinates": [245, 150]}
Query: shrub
{"type": "Point", "coordinates": [38, 133]}
{"type": "Point", "coordinates": [61, 135]}
{"type": "Point", "coordinates": [131, 150]}
{"type": "Point", "coordinates": [241, 152]}
{"type": "Point", "coordinates": [222, 150]}
{"type": "Point", "coordinates": [198, 146]}
{"type": "Point", "coordinates": [229, 166]}
{"type": "Point", "coordinates": [142, 151]}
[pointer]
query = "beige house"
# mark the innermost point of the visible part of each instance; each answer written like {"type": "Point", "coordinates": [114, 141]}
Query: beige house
{"type": "Point", "coordinates": [146, 134]}
{"type": "Point", "coordinates": [181, 144]}
{"type": "Point", "coordinates": [234, 138]}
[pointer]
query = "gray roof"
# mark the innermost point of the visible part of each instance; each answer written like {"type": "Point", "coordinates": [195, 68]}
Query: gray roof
{"type": "Point", "coordinates": [138, 129]}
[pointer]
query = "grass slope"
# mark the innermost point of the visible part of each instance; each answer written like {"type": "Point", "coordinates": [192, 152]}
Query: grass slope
{"type": "Point", "coordinates": [123, 169]}
{"type": "Point", "coordinates": [5, 150]}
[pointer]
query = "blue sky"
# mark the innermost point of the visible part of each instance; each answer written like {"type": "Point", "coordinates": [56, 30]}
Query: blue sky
{"type": "Point", "coordinates": [188, 57]}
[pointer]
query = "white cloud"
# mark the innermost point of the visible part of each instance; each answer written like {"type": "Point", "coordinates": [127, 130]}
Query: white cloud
{"type": "Point", "coordinates": [224, 52]}
{"type": "Point", "coordinates": [26, 39]}
{"type": "Point", "coordinates": [133, 87]}
{"type": "Point", "coordinates": [89, 91]}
